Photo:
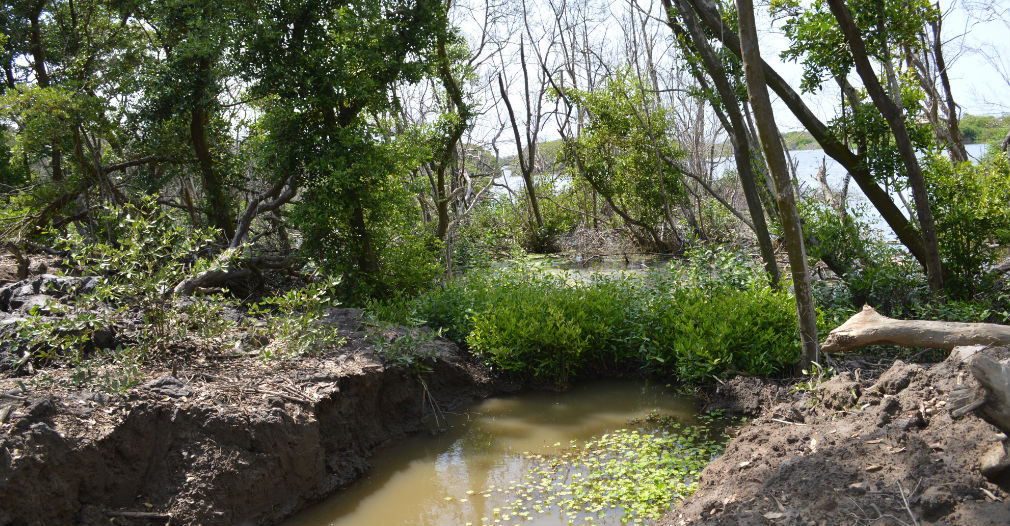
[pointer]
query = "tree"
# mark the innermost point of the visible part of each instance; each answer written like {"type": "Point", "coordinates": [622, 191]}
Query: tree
{"type": "Point", "coordinates": [616, 155]}
{"type": "Point", "coordinates": [764, 118]}
{"type": "Point", "coordinates": [895, 119]}
{"type": "Point", "coordinates": [857, 162]}
{"type": "Point", "coordinates": [325, 70]}
{"type": "Point", "coordinates": [732, 120]}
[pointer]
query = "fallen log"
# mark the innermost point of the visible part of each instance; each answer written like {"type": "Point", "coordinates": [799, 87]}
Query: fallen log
{"type": "Point", "coordinates": [869, 327]}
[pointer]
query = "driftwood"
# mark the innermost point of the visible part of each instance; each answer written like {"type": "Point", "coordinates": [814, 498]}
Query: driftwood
{"type": "Point", "coordinates": [868, 327]}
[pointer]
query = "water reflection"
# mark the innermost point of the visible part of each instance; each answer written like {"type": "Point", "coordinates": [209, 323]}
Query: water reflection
{"type": "Point", "coordinates": [483, 450]}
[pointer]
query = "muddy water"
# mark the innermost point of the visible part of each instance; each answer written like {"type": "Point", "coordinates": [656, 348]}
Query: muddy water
{"type": "Point", "coordinates": [413, 481]}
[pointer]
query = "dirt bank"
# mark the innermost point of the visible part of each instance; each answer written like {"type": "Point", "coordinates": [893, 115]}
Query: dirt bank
{"type": "Point", "coordinates": [222, 439]}
{"type": "Point", "coordinates": [856, 451]}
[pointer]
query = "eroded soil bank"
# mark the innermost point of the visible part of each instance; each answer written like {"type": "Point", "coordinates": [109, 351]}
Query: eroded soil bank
{"type": "Point", "coordinates": [861, 449]}
{"type": "Point", "coordinates": [220, 439]}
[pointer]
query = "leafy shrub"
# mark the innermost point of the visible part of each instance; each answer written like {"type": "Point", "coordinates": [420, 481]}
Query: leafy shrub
{"type": "Point", "coordinates": [717, 266]}
{"type": "Point", "coordinates": [529, 321]}
{"type": "Point", "coordinates": [969, 203]}
{"type": "Point", "coordinates": [878, 273]}
{"type": "Point", "coordinates": [535, 322]}
{"type": "Point", "coordinates": [492, 230]}
{"type": "Point", "coordinates": [138, 254]}
{"type": "Point", "coordinates": [712, 331]}
{"type": "Point", "coordinates": [290, 321]}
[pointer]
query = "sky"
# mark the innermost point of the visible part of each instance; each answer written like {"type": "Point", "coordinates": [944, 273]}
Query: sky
{"type": "Point", "coordinates": [976, 49]}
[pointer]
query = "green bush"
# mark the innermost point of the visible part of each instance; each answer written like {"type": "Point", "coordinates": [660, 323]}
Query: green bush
{"type": "Point", "coordinates": [713, 331]}
{"type": "Point", "coordinates": [535, 322]}
{"type": "Point", "coordinates": [530, 321]}
{"type": "Point", "coordinates": [970, 205]}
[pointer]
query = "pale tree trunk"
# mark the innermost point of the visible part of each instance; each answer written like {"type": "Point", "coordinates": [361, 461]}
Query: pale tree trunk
{"type": "Point", "coordinates": [892, 112]}
{"type": "Point", "coordinates": [854, 162]}
{"type": "Point", "coordinates": [775, 157]}
{"type": "Point", "coordinates": [738, 133]}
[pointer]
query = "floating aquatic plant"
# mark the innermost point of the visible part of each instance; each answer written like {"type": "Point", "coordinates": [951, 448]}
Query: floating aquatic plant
{"type": "Point", "coordinates": [628, 475]}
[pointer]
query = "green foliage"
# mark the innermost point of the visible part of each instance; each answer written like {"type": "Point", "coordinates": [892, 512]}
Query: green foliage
{"type": "Point", "coordinates": [817, 41]}
{"type": "Point", "coordinates": [816, 375]}
{"type": "Point", "coordinates": [494, 230]}
{"type": "Point", "coordinates": [412, 349]}
{"type": "Point", "coordinates": [878, 273]}
{"type": "Point", "coordinates": [139, 254]}
{"type": "Point", "coordinates": [638, 473]}
{"type": "Point", "coordinates": [706, 318]}
{"type": "Point", "coordinates": [987, 129]}
{"type": "Point", "coordinates": [619, 155]}
{"type": "Point", "coordinates": [716, 266]}
{"type": "Point", "coordinates": [359, 221]}
{"type": "Point", "coordinates": [969, 203]}
{"type": "Point", "coordinates": [699, 333]}
{"type": "Point", "coordinates": [536, 323]}
{"type": "Point", "coordinates": [326, 72]}
{"type": "Point", "coordinates": [291, 322]}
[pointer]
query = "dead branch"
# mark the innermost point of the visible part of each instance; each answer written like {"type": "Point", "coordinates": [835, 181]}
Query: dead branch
{"type": "Point", "coordinates": [869, 327]}
{"type": "Point", "coordinates": [225, 269]}
{"type": "Point", "coordinates": [281, 192]}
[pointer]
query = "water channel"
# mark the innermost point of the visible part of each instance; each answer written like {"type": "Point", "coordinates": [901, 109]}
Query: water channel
{"type": "Point", "coordinates": [462, 476]}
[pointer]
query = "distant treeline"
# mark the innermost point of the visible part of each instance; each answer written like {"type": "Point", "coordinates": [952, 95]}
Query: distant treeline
{"type": "Point", "coordinates": [974, 128]}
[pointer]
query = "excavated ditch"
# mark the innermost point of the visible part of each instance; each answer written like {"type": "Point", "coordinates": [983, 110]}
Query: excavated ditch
{"type": "Point", "coordinates": [223, 440]}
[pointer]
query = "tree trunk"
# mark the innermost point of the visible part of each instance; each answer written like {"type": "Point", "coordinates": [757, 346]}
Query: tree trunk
{"type": "Point", "coordinates": [218, 208]}
{"type": "Point", "coordinates": [42, 77]}
{"type": "Point", "coordinates": [956, 144]}
{"type": "Point", "coordinates": [452, 140]}
{"type": "Point", "coordinates": [853, 163]}
{"type": "Point", "coordinates": [525, 168]}
{"type": "Point", "coordinates": [890, 110]}
{"type": "Point", "coordinates": [869, 327]}
{"type": "Point", "coordinates": [738, 135]}
{"type": "Point", "coordinates": [775, 157]}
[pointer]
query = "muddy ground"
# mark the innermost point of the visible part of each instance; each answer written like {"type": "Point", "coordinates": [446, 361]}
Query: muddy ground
{"type": "Point", "coordinates": [860, 449]}
{"type": "Point", "coordinates": [222, 439]}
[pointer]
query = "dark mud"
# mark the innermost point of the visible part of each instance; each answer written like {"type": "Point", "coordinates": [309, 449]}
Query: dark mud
{"type": "Point", "coordinates": [855, 451]}
{"type": "Point", "coordinates": [219, 439]}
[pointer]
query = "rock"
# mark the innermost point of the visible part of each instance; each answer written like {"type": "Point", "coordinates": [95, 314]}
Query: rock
{"type": "Point", "coordinates": [995, 459]}
{"type": "Point", "coordinates": [17, 294]}
{"type": "Point", "coordinates": [907, 423]}
{"type": "Point", "coordinates": [169, 385]}
{"type": "Point", "coordinates": [26, 304]}
{"type": "Point", "coordinates": [38, 410]}
{"type": "Point", "coordinates": [897, 378]}
{"type": "Point", "coordinates": [38, 267]}
{"type": "Point", "coordinates": [104, 338]}
{"type": "Point", "coordinates": [349, 319]}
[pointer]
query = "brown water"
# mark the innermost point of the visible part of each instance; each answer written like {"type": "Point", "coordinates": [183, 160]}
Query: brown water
{"type": "Point", "coordinates": [456, 477]}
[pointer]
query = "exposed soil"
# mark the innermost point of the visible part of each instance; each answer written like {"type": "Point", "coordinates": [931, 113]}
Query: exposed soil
{"type": "Point", "coordinates": [221, 439]}
{"type": "Point", "coordinates": [215, 437]}
{"type": "Point", "coordinates": [857, 450]}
